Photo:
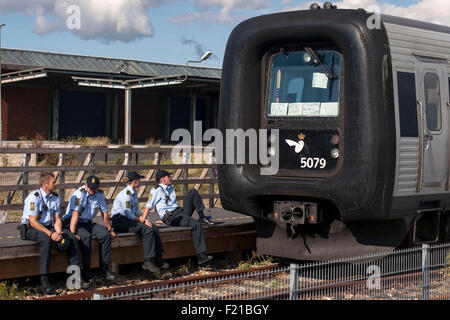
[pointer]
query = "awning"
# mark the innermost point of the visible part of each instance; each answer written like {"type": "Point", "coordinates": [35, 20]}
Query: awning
{"type": "Point", "coordinates": [23, 75]}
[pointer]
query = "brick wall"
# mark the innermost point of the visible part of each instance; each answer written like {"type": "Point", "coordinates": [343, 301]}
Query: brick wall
{"type": "Point", "coordinates": [146, 117]}
{"type": "Point", "coordinates": [25, 112]}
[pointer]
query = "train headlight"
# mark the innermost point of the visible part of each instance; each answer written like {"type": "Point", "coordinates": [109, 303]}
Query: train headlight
{"type": "Point", "coordinates": [335, 139]}
{"type": "Point", "coordinates": [335, 153]}
{"type": "Point", "coordinates": [273, 138]}
{"type": "Point", "coordinates": [307, 58]}
{"type": "Point", "coordinates": [272, 151]}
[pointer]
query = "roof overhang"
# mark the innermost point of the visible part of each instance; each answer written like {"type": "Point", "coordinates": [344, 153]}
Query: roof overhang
{"type": "Point", "coordinates": [140, 83]}
{"type": "Point", "coordinates": [23, 75]}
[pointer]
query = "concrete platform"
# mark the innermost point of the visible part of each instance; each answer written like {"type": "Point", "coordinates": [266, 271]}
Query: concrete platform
{"type": "Point", "coordinates": [20, 258]}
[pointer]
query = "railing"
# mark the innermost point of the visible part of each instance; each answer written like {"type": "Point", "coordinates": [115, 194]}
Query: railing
{"type": "Point", "coordinates": [72, 165]}
{"type": "Point", "coordinates": [409, 274]}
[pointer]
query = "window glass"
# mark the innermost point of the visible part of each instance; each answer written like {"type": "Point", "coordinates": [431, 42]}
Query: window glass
{"type": "Point", "coordinates": [407, 104]}
{"type": "Point", "coordinates": [301, 86]}
{"type": "Point", "coordinates": [433, 101]}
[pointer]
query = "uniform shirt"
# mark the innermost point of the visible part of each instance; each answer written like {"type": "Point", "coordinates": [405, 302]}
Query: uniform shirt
{"type": "Point", "coordinates": [126, 204]}
{"type": "Point", "coordinates": [42, 205]}
{"type": "Point", "coordinates": [164, 198]}
{"type": "Point", "coordinates": [87, 205]}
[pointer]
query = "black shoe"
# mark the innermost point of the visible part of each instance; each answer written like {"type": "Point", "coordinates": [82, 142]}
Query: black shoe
{"type": "Point", "coordinates": [105, 274]}
{"type": "Point", "coordinates": [203, 258]}
{"type": "Point", "coordinates": [150, 266]}
{"type": "Point", "coordinates": [86, 274]}
{"type": "Point", "coordinates": [162, 264]}
{"type": "Point", "coordinates": [206, 222]}
{"type": "Point", "coordinates": [45, 287]}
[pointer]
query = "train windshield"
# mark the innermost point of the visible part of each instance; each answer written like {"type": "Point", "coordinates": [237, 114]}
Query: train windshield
{"type": "Point", "coordinates": [305, 84]}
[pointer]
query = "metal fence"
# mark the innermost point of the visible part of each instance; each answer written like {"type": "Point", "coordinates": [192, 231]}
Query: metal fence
{"type": "Point", "coordinates": [411, 274]}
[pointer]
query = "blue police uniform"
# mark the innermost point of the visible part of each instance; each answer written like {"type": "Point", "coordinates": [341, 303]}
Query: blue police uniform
{"type": "Point", "coordinates": [163, 198]}
{"type": "Point", "coordinates": [123, 214]}
{"type": "Point", "coordinates": [45, 206]}
{"type": "Point", "coordinates": [88, 206]}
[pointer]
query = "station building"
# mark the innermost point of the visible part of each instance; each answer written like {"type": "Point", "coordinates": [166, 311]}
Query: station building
{"type": "Point", "coordinates": [62, 95]}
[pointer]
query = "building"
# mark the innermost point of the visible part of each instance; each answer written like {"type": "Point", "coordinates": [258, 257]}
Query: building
{"type": "Point", "coordinates": [62, 95]}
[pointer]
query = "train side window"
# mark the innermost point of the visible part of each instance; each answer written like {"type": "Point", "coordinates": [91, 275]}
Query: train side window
{"type": "Point", "coordinates": [433, 101]}
{"type": "Point", "coordinates": [407, 104]}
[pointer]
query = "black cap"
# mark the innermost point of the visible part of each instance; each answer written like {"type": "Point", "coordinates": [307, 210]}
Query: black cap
{"type": "Point", "coordinates": [161, 174]}
{"type": "Point", "coordinates": [93, 182]}
{"type": "Point", "coordinates": [133, 175]}
{"type": "Point", "coordinates": [63, 244]}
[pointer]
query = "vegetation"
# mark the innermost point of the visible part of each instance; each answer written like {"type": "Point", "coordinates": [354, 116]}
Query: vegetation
{"type": "Point", "coordinates": [10, 291]}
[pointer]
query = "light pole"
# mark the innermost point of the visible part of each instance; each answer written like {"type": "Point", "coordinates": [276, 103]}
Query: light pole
{"type": "Point", "coordinates": [203, 58]}
{"type": "Point", "coordinates": [1, 124]}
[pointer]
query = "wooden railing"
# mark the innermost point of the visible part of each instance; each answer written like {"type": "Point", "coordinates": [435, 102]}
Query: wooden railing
{"type": "Point", "coordinates": [99, 161]}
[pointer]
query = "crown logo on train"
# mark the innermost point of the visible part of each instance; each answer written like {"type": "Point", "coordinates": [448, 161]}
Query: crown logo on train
{"type": "Point", "coordinates": [302, 136]}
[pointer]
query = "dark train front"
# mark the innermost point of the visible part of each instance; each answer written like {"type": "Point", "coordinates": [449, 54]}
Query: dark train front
{"type": "Point", "coordinates": [323, 79]}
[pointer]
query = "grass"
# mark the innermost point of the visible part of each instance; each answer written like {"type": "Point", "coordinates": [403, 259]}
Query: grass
{"type": "Point", "coordinates": [256, 260]}
{"type": "Point", "coordinates": [11, 291]}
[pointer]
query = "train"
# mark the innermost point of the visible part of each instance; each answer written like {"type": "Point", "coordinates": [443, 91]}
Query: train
{"type": "Point", "coordinates": [361, 111]}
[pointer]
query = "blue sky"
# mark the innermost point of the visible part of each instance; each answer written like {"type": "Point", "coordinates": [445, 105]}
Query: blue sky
{"type": "Point", "coordinates": [170, 31]}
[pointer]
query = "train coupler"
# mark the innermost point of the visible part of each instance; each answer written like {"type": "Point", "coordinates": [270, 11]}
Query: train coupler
{"type": "Point", "coordinates": [297, 213]}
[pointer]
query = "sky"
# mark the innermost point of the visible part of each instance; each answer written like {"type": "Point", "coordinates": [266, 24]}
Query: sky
{"type": "Point", "coordinates": [169, 31]}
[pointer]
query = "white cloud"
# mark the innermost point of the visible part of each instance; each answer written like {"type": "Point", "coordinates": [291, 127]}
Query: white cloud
{"type": "Point", "coordinates": [223, 11]}
{"type": "Point", "coordinates": [108, 20]}
{"type": "Point", "coordinates": [434, 11]}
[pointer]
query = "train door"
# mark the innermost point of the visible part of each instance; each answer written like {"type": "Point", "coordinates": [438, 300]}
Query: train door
{"type": "Point", "coordinates": [432, 101]}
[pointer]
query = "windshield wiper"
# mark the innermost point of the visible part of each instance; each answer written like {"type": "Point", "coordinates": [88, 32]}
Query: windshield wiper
{"type": "Point", "coordinates": [319, 61]}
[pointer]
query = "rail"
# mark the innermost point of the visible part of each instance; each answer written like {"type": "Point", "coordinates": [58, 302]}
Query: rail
{"type": "Point", "coordinates": [420, 273]}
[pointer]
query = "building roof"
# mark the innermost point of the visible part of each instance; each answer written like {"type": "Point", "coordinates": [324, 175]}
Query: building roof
{"type": "Point", "coordinates": [27, 59]}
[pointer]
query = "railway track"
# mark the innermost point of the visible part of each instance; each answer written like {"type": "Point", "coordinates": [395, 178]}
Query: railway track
{"type": "Point", "coordinates": [273, 282]}
{"type": "Point", "coordinates": [142, 291]}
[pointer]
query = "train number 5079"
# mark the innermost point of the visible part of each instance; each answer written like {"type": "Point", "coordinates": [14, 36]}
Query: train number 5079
{"type": "Point", "coordinates": [313, 163]}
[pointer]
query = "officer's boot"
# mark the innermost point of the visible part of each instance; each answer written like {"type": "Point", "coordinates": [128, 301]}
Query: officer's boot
{"type": "Point", "coordinates": [161, 263]}
{"type": "Point", "coordinates": [106, 274]}
{"type": "Point", "coordinates": [45, 288]}
{"type": "Point", "coordinates": [203, 258]}
{"type": "Point", "coordinates": [86, 277]}
{"type": "Point", "coordinates": [151, 265]}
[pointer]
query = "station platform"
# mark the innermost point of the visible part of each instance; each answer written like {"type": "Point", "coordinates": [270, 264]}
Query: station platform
{"type": "Point", "coordinates": [233, 232]}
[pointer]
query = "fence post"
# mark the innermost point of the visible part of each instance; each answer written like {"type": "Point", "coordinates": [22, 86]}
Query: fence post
{"type": "Point", "coordinates": [26, 163]}
{"type": "Point", "coordinates": [425, 272]}
{"type": "Point", "coordinates": [293, 281]}
{"type": "Point", "coordinates": [97, 296]}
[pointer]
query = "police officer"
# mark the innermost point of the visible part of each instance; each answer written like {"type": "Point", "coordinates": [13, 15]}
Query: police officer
{"type": "Point", "coordinates": [164, 199]}
{"type": "Point", "coordinates": [42, 223]}
{"type": "Point", "coordinates": [126, 217]}
{"type": "Point", "coordinates": [83, 207]}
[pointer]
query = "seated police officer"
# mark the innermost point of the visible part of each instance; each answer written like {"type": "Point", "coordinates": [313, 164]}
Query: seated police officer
{"type": "Point", "coordinates": [41, 222]}
{"type": "Point", "coordinates": [83, 207]}
{"type": "Point", "coordinates": [126, 217]}
{"type": "Point", "coordinates": [164, 199]}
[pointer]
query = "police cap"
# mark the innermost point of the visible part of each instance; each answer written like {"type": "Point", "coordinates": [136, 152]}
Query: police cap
{"type": "Point", "coordinates": [161, 174]}
{"type": "Point", "coordinates": [63, 244]}
{"type": "Point", "coordinates": [93, 182]}
{"type": "Point", "coordinates": [133, 175]}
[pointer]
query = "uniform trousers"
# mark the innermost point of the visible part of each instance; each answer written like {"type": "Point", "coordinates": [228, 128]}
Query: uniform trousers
{"type": "Point", "coordinates": [85, 230]}
{"type": "Point", "coordinates": [45, 248]}
{"type": "Point", "coordinates": [182, 217]}
{"type": "Point", "coordinates": [150, 236]}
